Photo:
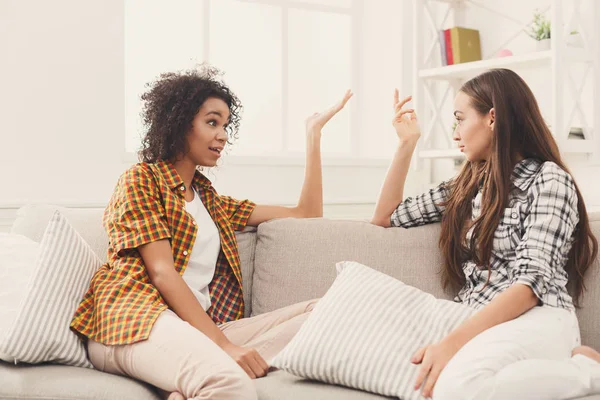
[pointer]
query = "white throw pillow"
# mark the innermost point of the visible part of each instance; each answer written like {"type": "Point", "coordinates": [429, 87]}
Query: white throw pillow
{"type": "Point", "coordinates": [40, 332]}
{"type": "Point", "coordinates": [18, 257]}
{"type": "Point", "coordinates": [364, 331]}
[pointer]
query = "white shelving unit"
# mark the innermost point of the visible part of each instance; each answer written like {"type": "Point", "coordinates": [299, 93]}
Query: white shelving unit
{"type": "Point", "coordinates": [470, 69]}
{"type": "Point", "coordinates": [428, 74]}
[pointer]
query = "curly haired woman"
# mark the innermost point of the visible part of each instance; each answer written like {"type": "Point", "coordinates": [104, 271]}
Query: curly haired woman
{"type": "Point", "coordinates": [167, 308]}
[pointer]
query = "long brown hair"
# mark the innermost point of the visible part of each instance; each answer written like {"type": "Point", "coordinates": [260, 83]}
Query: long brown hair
{"type": "Point", "coordinates": [519, 130]}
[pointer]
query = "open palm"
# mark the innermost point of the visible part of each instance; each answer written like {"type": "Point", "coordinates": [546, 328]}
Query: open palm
{"type": "Point", "coordinates": [317, 121]}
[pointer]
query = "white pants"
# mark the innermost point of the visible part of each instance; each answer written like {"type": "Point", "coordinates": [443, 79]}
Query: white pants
{"type": "Point", "coordinates": [526, 358]}
{"type": "Point", "coordinates": [179, 358]}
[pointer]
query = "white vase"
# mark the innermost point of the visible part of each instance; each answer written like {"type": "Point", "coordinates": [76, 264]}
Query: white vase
{"type": "Point", "coordinates": [543, 45]}
{"type": "Point", "coordinates": [574, 40]}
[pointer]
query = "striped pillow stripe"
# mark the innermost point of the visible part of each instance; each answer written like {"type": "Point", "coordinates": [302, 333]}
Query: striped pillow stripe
{"type": "Point", "coordinates": [364, 331]}
{"type": "Point", "coordinates": [41, 330]}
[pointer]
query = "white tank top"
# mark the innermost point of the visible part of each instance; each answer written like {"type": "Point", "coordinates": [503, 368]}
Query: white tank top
{"type": "Point", "coordinates": [203, 260]}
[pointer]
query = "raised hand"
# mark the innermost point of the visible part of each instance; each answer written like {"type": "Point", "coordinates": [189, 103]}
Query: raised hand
{"type": "Point", "coordinates": [405, 120]}
{"type": "Point", "coordinates": [317, 121]}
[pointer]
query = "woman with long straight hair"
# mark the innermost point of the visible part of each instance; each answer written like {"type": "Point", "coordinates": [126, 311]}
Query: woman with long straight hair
{"type": "Point", "coordinates": [516, 242]}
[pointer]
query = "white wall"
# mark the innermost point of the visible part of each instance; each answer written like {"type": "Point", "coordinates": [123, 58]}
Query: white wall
{"type": "Point", "coordinates": [61, 102]}
{"type": "Point", "coordinates": [62, 110]}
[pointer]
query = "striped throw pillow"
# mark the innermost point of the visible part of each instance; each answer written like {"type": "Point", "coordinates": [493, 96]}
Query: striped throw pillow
{"type": "Point", "coordinates": [364, 331]}
{"type": "Point", "coordinates": [40, 332]}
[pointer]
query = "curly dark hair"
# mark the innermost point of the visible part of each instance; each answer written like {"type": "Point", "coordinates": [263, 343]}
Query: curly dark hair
{"type": "Point", "coordinates": [170, 105]}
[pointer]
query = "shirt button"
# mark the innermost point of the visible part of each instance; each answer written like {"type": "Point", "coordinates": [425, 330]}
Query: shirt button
{"type": "Point", "coordinates": [182, 188]}
{"type": "Point", "coordinates": [514, 215]}
{"type": "Point", "coordinates": [185, 253]}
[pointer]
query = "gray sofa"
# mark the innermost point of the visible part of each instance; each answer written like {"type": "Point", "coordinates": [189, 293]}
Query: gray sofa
{"type": "Point", "coordinates": [283, 261]}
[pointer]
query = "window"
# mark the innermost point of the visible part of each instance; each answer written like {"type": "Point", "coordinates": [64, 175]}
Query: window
{"type": "Point", "coordinates": [246, 43]}
{"type": "Point", "coordinates": [160, 36]}
{"type": "Point", "coordinates": [284, 59]}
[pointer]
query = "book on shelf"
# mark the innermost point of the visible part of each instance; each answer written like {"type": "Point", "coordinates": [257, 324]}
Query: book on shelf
{"type": "Point", "coordinates": [448, 47]}
{"type": "Point", "coordinates": [459, 45]}
{"type": "Point", "coordinates": [442, 40]}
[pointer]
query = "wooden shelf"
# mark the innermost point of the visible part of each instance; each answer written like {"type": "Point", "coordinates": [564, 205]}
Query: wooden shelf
{"type": "Point", "coordinates": [470, 69]}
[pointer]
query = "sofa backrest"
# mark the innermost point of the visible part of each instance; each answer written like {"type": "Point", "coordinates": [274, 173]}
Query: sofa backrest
{"type": "Point", "coordinates": [295, 261]}
{"type": "Point", "coordinates": [289, 260]}
{"type": "Point", "coordinates": [32, 220]}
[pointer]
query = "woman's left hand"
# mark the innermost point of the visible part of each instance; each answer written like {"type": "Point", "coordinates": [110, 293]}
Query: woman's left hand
{"type": "Point", "coordinates": [317, 121]}
{"type": "Point", "coordinates": [433, 360]}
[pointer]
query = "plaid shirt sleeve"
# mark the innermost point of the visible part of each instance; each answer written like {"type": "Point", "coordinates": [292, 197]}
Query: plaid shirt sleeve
{"type": "Point", "coordinates": [135, 215]}
{"type": "Point", "coordinates": [237, 211]}
{"type": "Point", "coordinates": [547, 229]}
{"type": "Point", "coordinates": [423, 209]}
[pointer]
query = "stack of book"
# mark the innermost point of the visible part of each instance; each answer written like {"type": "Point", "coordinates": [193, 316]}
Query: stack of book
{"type": "Point", "coordinates": [459, 45]}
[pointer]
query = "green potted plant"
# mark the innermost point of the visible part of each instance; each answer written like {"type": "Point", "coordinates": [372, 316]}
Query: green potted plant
{"type": "Point", "coordinates": [540, 31]}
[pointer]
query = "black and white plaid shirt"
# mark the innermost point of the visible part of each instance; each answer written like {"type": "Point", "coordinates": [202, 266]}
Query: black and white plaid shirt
{"type": "Point", "coordinates": [531, 243]}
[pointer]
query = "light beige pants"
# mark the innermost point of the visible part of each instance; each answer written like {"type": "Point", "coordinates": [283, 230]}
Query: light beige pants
{"type": "Point", "coordinates": [179, 358]}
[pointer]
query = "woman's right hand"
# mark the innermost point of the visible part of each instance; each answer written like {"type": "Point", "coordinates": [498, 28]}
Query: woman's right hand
{"type": "Point", "coordinates": [316, 122]}
{"type": "Point", "coordinates": [249, 359]}
{"type": "Point", "coordinates": [405, 120]}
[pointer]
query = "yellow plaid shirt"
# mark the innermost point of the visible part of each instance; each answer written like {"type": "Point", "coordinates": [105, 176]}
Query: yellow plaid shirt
{"type": "Point", "coordinates": [147, 205]}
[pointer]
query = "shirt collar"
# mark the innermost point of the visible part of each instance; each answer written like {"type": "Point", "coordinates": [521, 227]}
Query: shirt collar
{"type": "Point", "coordinates": [174, 181]}
{"type": "Point", "coordinates": [524, 173]}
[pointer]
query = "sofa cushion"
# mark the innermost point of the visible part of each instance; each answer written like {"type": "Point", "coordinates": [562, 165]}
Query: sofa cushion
{"type": "Point", "coordinates": [40, 332]}
{"type": "Point", "coordinates": [589, 313]}
{"type": "Point", "coordinates": [18, 258]}
{"type": "Point", "coordinates": [295, 258]}
{"type": "Point", "coordinates": [59, 382]}
{"type": "Point", "coordinates": [295, 261]}
{"type": "Point", "coordinates": [279, 385]}
{"type": "Point", "coordinates": [247, 246]}
{"type": "Point", "coordinates": [33, 219]}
